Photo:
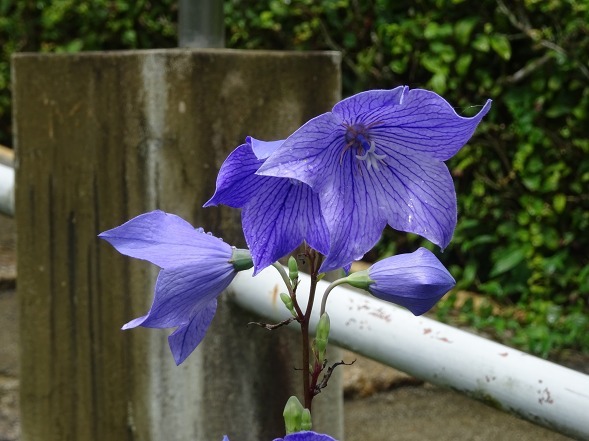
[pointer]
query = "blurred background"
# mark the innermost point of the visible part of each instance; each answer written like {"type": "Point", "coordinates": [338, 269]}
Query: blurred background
{"type": "Point", "coordinates": [520, 253]}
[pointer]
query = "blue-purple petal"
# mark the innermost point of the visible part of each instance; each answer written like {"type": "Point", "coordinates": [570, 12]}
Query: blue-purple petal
{"type": "Point", "coordinates": [181, 291]}
{"type": "Point", "coordinates": [279, 218]}
{"type": "Point", "coordinates": [424, 123]}
{"type": "Point", "coordinates": [416, 280]}
{"type": "Point", "coordinates": [372, 105]}
{"type": "Point", "coordinates": [416, 195]}
{"type": "Point", "coordinates": [263, 149]}
{"type": "Point", "coordinates": [353, 217]}
{"type": "Point", "coordinates": [278, 214]}
{"type": "Point", "coordinates": [165, 240]}
{"type": "Point", "coordinates": [188, 336]}
{"type": "Point", "coordinates": [310, 153]}
{"type": "Point", "coordinates": [237, 182]}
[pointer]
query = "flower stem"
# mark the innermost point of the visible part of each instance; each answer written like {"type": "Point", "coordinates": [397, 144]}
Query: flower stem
{"type": "Point", "coordinates": [328, 290]}
{"type": "Point", "coordinates": [308, 385]}
{"type": "Point", "coordinates": [290, 288]}
{"type": "Point", "coordinates": [308, 398]}
{"type": "Point", "coordinates": [284, 276]}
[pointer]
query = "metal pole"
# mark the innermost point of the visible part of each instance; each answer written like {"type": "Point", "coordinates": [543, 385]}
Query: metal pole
{"type": "Point", "coordinates": [201, 24]}
{"type": "Point", "coordinates": [534, 389]}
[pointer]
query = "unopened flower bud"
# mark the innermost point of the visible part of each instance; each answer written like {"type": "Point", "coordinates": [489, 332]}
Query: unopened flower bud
{"type": "Point", "coordinates": [416, 280]}
{"type": "Point", "coordinates": [306, 420]}
{"type": "Point", "coordinates": [293, 414]}
{"type": "Point", "coordinates": [322, 336]}
{"type": "Point", "coordinates": [293, 269]}
{"type": "Point", "coordinates": [288, 303]}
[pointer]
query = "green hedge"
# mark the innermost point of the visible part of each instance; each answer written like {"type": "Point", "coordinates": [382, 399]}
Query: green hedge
{"type": "Point", "coordinates": [75, 25]}
{"type": "Point", "coordinates": [522, 182]}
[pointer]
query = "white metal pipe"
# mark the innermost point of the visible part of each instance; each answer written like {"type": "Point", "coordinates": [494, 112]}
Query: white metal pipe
{"type": "Point", "coordinates": [6, 190]}
{"type": "Point", "coordinates": [540, 391]}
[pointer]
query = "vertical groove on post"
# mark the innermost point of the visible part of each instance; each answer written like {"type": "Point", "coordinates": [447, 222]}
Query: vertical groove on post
{"type": "Point", "coordinates": [103, 137]}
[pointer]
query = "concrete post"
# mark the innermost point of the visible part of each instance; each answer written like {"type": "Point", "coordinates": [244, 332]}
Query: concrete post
{"type": "Point", "coordinates": [100, 138]}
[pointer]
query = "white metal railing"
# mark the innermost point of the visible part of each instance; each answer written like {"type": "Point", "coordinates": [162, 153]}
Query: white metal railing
{"type": "Point", "coordinates": [6, 181]}
{"type": "Point", "coordinates": [6, 190]}
{"type": "Point", "coordinates": [542, 392]}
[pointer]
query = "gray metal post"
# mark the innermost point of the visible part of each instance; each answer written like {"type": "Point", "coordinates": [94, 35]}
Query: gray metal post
{"type": "Point", "coordinates": [201, 24]}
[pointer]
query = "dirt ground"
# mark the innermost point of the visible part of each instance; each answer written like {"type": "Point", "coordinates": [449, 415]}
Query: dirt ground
{"type": "Point", "coordinates": [381, 403]}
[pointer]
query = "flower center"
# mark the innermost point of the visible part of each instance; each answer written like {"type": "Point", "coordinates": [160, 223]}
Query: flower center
{"type": "Point", "coordinates": [357, 137]}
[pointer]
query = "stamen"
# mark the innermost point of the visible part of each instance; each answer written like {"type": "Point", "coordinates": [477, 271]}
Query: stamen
{"type": "Point", "coordinates": [371, 157]}
{"type": "Point", "coordinates": [358, 138]}
{"type": "Point", "coordinates": [346, 148]}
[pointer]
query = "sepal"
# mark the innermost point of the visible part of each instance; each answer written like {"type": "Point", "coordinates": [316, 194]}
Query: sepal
{"type": "Point", "coordinates": [241, 259]}
{"type": "Point", "coordinates": [359, 279]}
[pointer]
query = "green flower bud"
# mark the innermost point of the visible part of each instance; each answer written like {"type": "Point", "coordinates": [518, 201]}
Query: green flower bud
{"type": "Point", "coordinates": [306, 420]}
{"type": "Point", "coordinates": [288, 303]}
{"type": "Point", "coordinates": [360, 279]}
{"type": "Point", "coordinates": [293, 269]}
{"type": "Point", "coordinates": [286, 300]}
{"type": "Point", "coordinates": [293, 414]}
{"type": "Point", "coordinates": [241, 259]}
{"type": "Point", "coordinates": [322, 336]}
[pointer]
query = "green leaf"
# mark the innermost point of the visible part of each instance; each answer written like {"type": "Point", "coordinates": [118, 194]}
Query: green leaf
{"type": "Point", "coordinates": [430, 31]}
{"type": "Point", "coordinates": [559, 202]}
{"type": "Point", "coordinates": [464, 28]}
{"type": "Point", "coordinates": [481, 43]}
{"type": "Point", "coordinates": [463, 63]}
{"type": "Point", "coordinates": [501, 46]}
{"type": "Point", "coordinates": [438, 82]}
{"type": "Point", "coordinates": [507, 261]}
{"type": "Point", "coordinates": [432, 63]}
{"type": "Point", "coordinates": [4, 5]}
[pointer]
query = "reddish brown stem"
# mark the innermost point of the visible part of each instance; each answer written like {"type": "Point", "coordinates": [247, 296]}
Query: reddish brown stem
{"type": "Point", "coordinates": [308, 388]}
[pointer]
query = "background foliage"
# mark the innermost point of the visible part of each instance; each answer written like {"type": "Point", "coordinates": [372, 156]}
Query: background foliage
{"type": "Point", "coordinates": [522, 182]}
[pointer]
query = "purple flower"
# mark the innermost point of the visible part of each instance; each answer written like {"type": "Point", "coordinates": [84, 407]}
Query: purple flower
{"type": "Point", "coordinates": [277, 214]}
{"type": "Point", "coordinates": [301, 436]}
{"type": "Point", "coordinates": [195, 268]}
{"type": "Point", "coordinates": [416, 280]}
{"type": "Point", "coordinates": [377, 158]}
{"type": "Point", "coordinates": [306, 436]}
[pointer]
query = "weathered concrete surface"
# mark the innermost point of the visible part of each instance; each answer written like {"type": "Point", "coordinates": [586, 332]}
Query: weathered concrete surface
{"type": "Point", "coordinates": [103, 137]}
{"type": "Point", "coordinates": [7, 252]}
{"type": "Point", "coordinates": [9, 412]}
{"type": "Point", "coordinates": [9, 360]}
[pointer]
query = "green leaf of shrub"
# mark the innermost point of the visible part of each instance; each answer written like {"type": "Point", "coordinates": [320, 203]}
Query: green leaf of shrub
{"type": "Point", "coordinates": [501, 45]}
{"type": "Point", "coordinates": [507, 261]}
